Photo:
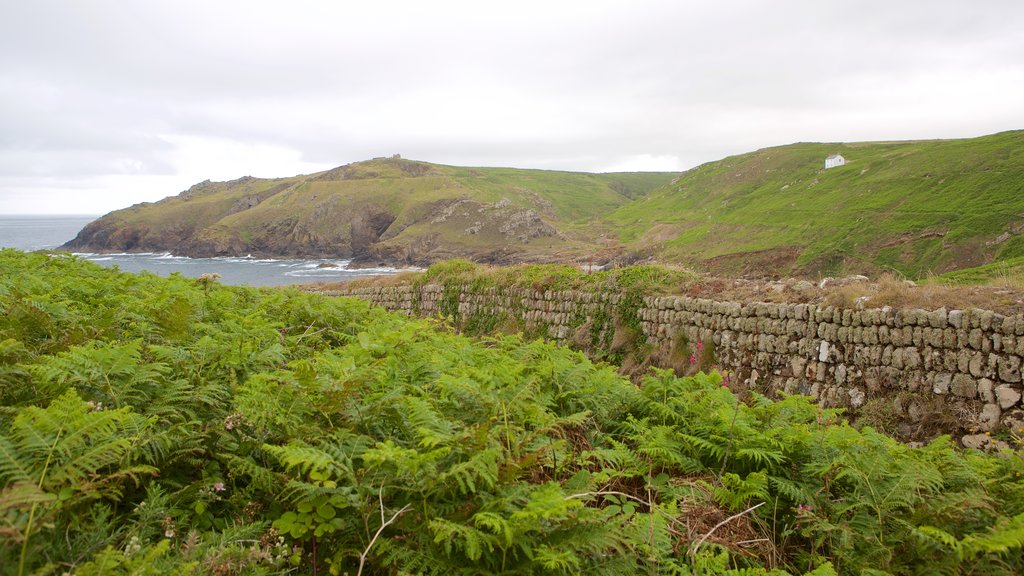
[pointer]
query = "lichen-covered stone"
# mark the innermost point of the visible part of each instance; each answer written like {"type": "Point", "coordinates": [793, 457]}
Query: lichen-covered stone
{"type": "Point", "coordinates": [1006, 396]}
{"type": "Point", "coordinates": [988, 420]}
{"type": "Point", "coordinates": [986, 390]}
{"type": "Point", "coordinates": [964, 386]}
{"type": "Point", "coordinates": [975, 441]}
{"type": "Point", "coordinates": [1009, 369]}
{"type": "Point", "coordinates": [968, 354]}
{"type": "Point", "coordinates": [955, 318]}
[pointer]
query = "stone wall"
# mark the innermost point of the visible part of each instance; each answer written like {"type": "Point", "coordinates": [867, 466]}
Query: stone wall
{"type": "Point", "coordinates": [919, 366]}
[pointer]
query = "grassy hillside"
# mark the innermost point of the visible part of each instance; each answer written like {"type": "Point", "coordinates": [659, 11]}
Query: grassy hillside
{"type": "Point", "coordinates": [175, 426]}
{"type": "Point", "coordinates": [913, 207]}
{"type": "Point", "coordinates": [390, 209]}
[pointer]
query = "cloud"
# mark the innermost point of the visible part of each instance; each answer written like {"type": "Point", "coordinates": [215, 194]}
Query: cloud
{"type": "Point", "coordinates": [96, 95]}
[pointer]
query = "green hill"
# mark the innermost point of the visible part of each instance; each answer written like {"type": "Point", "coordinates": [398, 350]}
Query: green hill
{"type": "Point", "coordinates": [914, 207]}
{"type": "Point", "coordinates": [392, 210]}
{"type": "Point", "coordinates": [917, 208]}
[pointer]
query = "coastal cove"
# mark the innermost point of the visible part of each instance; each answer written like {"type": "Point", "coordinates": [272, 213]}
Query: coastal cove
{"type": "Point", "coordinates": [49, 232]}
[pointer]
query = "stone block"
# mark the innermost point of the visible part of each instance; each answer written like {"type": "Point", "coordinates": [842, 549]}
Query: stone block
{"type": "Point", "coordinates": [911, 358]}
{"type": "Point", "coordinates": [974, 339]}
{"type": "Point", "coordinates": [988, 420]}
{"type": "Point", "coordinates": [985, 320]}
{"type": "Point", "coordinates": [1006, 396]}
{"type": "Point", "coordinates": [1009, 368]}
{"type": "Point", "coordinates": [797, 365]}
{"type": "Point", "coordinates": [975, 441]}
{"type": "Point", "coordinates": [857, 397]}
{"type": "Point", "coordinates": [955, 318]}
{"type": "Point", "coordinates": [1009, 326]}
{"type": "Point", "coordinates": [950, 360]}
{"type": "Point", "coordinates": [964, 386]}
{"type": "Point", "coordinates": [986, 390]}
{"type": "Point", "coordinates": [997, 322]}
{"type": "Point", "coordinates": [977, 365]}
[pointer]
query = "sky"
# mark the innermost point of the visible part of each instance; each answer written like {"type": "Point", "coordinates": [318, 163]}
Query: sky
{"type": "Point", "coordinates": [107, 103]}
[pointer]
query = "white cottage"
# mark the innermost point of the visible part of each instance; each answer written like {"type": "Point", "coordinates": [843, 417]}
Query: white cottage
{"type": "Point", "coordinates": [834, 160]}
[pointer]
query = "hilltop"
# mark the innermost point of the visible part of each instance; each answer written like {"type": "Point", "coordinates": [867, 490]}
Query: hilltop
{"type": "Point", "coordinates": [389, 210]}
{"type": "Point", "coordinates": [916, 208]}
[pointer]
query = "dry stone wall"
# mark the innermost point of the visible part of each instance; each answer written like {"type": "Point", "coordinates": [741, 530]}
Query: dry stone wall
{"type": "Point", "coordinates": [961, 365]}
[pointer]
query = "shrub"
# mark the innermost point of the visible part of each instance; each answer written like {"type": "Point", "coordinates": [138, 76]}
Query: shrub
{"type": "Point", "coordinates": [273, 432]}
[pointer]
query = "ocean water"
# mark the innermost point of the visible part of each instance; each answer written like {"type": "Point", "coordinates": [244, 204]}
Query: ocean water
{"type": "Point", "coordinates": [30, 233]}
{"type": "Point", "coordinates": [47, 232]}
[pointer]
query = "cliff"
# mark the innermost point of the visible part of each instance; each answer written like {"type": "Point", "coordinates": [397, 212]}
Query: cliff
{"type": "Point", "coordinates": [390, 210]}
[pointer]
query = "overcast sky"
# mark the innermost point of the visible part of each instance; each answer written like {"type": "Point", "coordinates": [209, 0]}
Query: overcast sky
{"type": "Point", "coordinates": [107, 103]}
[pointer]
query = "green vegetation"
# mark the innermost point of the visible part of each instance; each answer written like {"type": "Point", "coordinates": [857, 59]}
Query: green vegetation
{"type": "Point", "coordinates": [392, 209]}
{"type": "Point", "coordinates": [911, 207]}
{"type": "Point", "coordinates": [615, 337]}
{"type": "Point", "coordinates": [646, 279]}
{"type": "Point", "coordinates": [176, 426]}
{"type": "Point", "coordinates": [1008, 272]}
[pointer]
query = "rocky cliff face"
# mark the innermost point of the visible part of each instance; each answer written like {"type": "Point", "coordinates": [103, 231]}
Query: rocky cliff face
{"type": "Point", "coordinates": [390, 211]}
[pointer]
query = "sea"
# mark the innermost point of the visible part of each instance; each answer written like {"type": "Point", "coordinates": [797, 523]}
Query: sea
{"type": "Point", "coordinates": [31, 233]}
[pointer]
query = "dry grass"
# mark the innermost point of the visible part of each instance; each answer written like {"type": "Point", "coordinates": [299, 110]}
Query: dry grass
{"type": "Point", "coordinates": [400, 279]}
{"type": "Point", "coordinates": [897, 293]}
{"type": "Point", "coordinates": [1004, 295]}
{"type": "Point", "coordinates": [623, 336]}
{"type": "Point", "coordinates": [701, 516]}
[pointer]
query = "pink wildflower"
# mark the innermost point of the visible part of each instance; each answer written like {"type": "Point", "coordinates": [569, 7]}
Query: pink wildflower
{"type": "Point", "coordinates": [693, 359]}
{"type": "Point", "coordinates": [219, 487]}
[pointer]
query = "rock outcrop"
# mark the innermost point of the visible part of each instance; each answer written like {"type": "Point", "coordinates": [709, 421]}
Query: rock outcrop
{"type": "Point", "coordinates": [388, 210]}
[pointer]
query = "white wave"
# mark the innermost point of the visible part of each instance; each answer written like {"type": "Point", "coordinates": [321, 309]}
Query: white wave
{"type": "Point", "coordinates": [332, 273]}
{"type": "Point", "coordinates": [313, 272]}
{"type": "Point", "coordinates": [325, 272]}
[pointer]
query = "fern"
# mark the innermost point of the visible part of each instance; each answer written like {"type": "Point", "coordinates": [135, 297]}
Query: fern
{"type": "Point", "coordinates": [159, 425]}
{"type": "Point", "coordinates": [736, 493]}
{"type": "Point", "coordinates": [68, 442]}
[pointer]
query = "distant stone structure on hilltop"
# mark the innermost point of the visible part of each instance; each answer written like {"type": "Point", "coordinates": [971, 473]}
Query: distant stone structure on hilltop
{"type": "Point", "coordinates": [834, 160]}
